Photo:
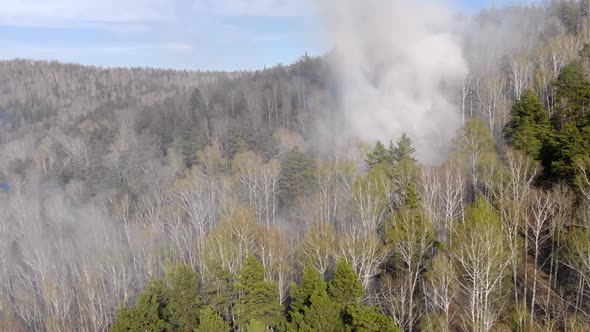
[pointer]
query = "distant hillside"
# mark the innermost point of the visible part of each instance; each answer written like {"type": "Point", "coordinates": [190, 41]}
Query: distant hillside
{"type": "Point", "coordinates": [46, 106]}
{"type": "Point", "coordinates": [147, 199]}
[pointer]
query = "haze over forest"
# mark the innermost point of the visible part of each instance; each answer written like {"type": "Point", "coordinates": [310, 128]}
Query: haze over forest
{"type": "Point", "coordinates": [430, 172]}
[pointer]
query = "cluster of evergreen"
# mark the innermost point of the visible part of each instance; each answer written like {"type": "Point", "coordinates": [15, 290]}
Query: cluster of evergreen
{"type": "Point", "coordinates": [178, 303]}
{"type": "Point", "coordinates": [559, 140]}
{"type": "Point", "coordinates": [110, 176]}
{"type": "Point", "coordinates": [404, 150]}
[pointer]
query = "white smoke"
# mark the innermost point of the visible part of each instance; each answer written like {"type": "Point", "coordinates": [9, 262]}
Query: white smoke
{"type": "Point", "coordinates": [396, 62]}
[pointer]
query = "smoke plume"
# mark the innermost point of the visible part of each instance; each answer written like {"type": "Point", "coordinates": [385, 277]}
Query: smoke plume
{"type": "Point", "coordinates": [397, 62]}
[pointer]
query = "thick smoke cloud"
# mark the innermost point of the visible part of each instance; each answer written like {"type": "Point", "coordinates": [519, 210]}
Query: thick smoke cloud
{"type": "Point", "coordinates": [396, 61]}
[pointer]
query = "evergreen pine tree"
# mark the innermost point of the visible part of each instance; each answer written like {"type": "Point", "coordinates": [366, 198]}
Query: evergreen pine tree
{"type": "Point", "coordinates": [209, 320]}
{"type": "Point", "coordinates": [378, 156]}
{"type": "Point", "coordinates": [529, 128]}
{"type": "Point", "coordinates": [255, 326]}
{"type": "Point", "coordinates": [258, 299]}
{"type": "Point", "coordinates": [219, 290]}
{"type": "Point", "coordinates": [364, 318]}
{"type": "Point", "coordinates": [323, 314]}
{"type": "Point", "coordinates": [571, 119]}
{"type": "Point", "coordinates": [312, 309]}
{"type": "Point", "coordinates": [403, 150]}
{"type": "Point", "coordinates": [311, 281]}
{"type": "Point", "coordinates": [196, 101]}
{"type": "Point", "coordinates": [296, 176]}
{"type": "Point", "coordinates": [572, 95]}
{"type": "Point", "coordinates": [569, 146]}
{"type": "Point", "coordinates": [345, 287]}
{"type": "Point", "coordinates": [184, 301]}
{"type": "Point", "coordinates": [412, 197]}
{"type": "Point", "coordinates": [149, 313]}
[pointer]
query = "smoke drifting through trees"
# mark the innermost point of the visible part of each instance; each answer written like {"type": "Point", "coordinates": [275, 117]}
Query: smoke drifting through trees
{"type": "Point", "coordinates": [394, 62]}
{"type": "Point", "coordinates": [110, 176]}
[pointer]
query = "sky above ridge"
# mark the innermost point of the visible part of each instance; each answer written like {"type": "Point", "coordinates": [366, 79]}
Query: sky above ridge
{"type": "Point", "coordinates": [180, 34]}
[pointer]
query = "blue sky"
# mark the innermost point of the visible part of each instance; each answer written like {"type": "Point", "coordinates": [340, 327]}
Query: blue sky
{"type": "Point", "coordinates": [181, 34]}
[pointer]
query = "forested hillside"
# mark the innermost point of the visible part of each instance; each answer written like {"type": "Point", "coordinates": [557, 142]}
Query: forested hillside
{"type": "Point", "coordinates": [158, 200]}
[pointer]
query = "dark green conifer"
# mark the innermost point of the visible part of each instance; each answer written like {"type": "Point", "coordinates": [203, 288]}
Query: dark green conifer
{"type": "Point", "coordinates": [209, 320]}
{"type": "Point", "coordinates": [258, 299]}
{"type": "Point", "coordinates": [296, 176]}
{"type": "Point", "coordinates": [378, 156]}
{"type": "Point", "coordinates": [184, 301]}
{"type": "Point", "coordinates": [149, 313]}
{"type": "Point", "coordinates": [529, 127]}
{"type": "Point", "coordinates": [345, 287]}
{"type": "Point", "coordinates": [403, 150]}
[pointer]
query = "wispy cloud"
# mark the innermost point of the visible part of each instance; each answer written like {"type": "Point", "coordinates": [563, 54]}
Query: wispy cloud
{"type": "Point", "coordinates": [233, 33]}
{"type": "Point", "coordinates": [262, 38]}
{"type": "Point", "coordinates": [175, 46]}
{"type": "Point", "coordinates": [227, 33]}
{"type": "Point", "coordinates": [71, 53]}
{"type": "Point", "coordinates": [137, 48]}
{"type": "Point", "coordinates": [252, 8]}
{"type": "Point", "coordinates": [65, 12]}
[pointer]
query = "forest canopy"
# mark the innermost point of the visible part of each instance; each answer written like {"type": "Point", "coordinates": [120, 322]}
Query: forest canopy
{"type": "Point", "coordinates": [137, 199]}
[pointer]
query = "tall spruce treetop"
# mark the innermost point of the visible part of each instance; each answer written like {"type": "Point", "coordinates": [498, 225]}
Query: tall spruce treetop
{"type": "Point", "coordinates": [312, 309]}
{"type": "Point", "coordinates": [149, 313]}
{"type": "Point", "coordinates": [571, 145]}
{"type": "Point", "coordinates": [403, 149]}
{"type": "Point", "coordinates": [572, 95]}
{"type": "Point", "coordinates": [369, 319]}
{"type": "Point", "coordinates": [196, 101]}
{"type": "Point", "coordinates": [322, 315]}
{"type": "Point", "coordinates": [219, 289]}
{"type": "Point", "coordinates": [412, 200]}
{"type": "Point", "coordinates": [571, 119]}
{"type": "Point", "coordinates": [378, 156]}
{"type": "Point", "coordinates": [258, 299]}
{"type": "Point", "coordinates": [529, 128]}
{"type": "Point", "coordinates": [184, 301]}
{"type": "Point", "coordinates": [345, 287]}
{"type": "Point", "coordinates": [296, 175]}
{"type": "Point", "coordinates": [209, 320]}
{"type": "Point", "coordinates": [311, 281]}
